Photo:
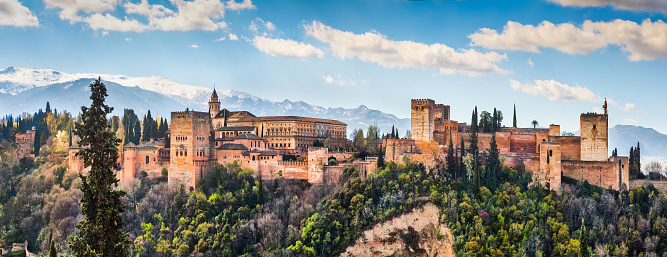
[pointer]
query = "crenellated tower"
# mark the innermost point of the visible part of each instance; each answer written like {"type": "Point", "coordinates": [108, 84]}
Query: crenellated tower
{"type": "Point", "coordinates": [422, 119]}
{"type": "Point", "coordinates": [594, 129]}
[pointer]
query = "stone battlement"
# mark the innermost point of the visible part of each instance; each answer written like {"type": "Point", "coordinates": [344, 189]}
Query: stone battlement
{"type": "Point", "coordinates": [420, 102]}
{"type": "Point", "coordinates": [592, 114]}
{"type": "Point", "coordinates": [189, 114]}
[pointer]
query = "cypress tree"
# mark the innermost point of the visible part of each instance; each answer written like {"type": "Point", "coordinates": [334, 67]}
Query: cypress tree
{"type": "Point", "coordinates": [462, 166]}
{"type": "Point", "coordinates": [493, 165]}
{"type": "Point", "coordinates": [101, 232]}
{"type": "Point", "coordinates": [52, 249]}
{"type": "Point", "coordinates": [137, 132]}
{"type": "Point", "coordinates": [638, 158]}
{"type": "Point", "coordinates": [48, 107]}
{"type": "Point", "coordinates": [514, 117]}
{"type": "Point", "coordinates": [583, 239]}
{"type": "Point", "coordinates": [451, 162]}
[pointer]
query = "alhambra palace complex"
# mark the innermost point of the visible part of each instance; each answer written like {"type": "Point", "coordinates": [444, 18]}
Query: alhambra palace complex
{"type": "Point", "coordinates": [198, 140]}
{"type": "Point", "coordinates": [545, 153]}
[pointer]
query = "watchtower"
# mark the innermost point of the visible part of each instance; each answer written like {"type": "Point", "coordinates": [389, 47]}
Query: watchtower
{"type": "Point", "coordinates": [214, 104]}
{"type": "Point", "coordinates": [190, 147]}
{"type": "Point", "coordinates": [422, 119]}
{"type": "Point", "coordinates": [594, 135]}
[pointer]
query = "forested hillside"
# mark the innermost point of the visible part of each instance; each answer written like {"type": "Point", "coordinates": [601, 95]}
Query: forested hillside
{"type": "Point", "coordinates": [491, 209]}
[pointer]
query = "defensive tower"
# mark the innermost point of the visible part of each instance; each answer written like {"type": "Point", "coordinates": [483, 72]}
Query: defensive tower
{"type": "Point", "coordinates": [422, 115]}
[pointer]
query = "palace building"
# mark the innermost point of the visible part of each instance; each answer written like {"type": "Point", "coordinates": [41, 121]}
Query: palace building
{"type": "Point", "coordinates": [200, 140]}
{"type": "Point", "coordinates": [547, 154]}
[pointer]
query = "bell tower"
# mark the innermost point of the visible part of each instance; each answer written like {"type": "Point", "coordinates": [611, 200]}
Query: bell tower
{"type": "Point", "coordinates": [214, 104]}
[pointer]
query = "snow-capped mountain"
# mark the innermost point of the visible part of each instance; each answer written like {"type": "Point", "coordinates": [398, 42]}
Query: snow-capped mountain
{"type": "Point", "coordinates": [28, 89]}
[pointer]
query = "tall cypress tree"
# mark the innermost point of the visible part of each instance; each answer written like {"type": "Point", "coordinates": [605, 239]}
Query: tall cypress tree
{"type": "Point", "coordinates": [137, 132]}
{"type": "Point", "coordinates": [101, 232]}
{"type": "Point", "coordinates": [451, 161]}
{"type": "Point", "coordinates": [514, 117]}
{"type": "Point", "coordinates": [638, 158]}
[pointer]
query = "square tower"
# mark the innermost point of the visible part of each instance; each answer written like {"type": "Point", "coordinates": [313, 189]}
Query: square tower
{"type": "Point", "coordinates": [422, 119]}
{"type": "Point", "coordinates": [190, 148]}
{"type": "Point", "coordinates": [594, 136]}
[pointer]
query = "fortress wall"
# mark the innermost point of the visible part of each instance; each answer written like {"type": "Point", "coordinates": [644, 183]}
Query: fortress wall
{"type": "Point", "coordinates": [550, 166]}
{"type": "Point", "coordinates": [600, 173]}
{"type": "Point", "coordinates": [570, 146]}
{"type": "Point", "coordinates": [503, 142]}
{"type": "Point", "coordinates": [522, 143]}
{"type": "Point", "coordinates": [658, 184]}
{"type": "Point", "coordinates": [422, 119]}
{"type": "Point", "coordinates": [396, 149]}
{"type": "Point", "coordinates": [594, 138]}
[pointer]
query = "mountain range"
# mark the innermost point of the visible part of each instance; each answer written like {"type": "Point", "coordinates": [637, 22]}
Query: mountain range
{"type": "Point", "coordinates": [28, 90]}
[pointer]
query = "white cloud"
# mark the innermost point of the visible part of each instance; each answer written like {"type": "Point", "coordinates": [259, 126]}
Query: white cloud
{"type": "Point", "coordinates": [105, 33]}
{"type": "Point", "coordinates": [530, 63]}
{"type": "Point", "coordinates": [630, 120]}
{"type": "Point", "coordinates": [233, 37]}
{"type": "Point", "coordinates": [270, 26]}
{"type": "Point", "coordinates": [263, 28]}
{"type": "Point", "coordinates": [645, 5]}
{"type": "Point", "coordinates": [69, 9]}
{"type": "Point", "coordinates": [339, 81]}
{"type": "Point", "coordinates": [127, 39]}
{"type": "Point", "coordinates": [110, 22]}
{"type": "Point", "coordinates": [328, 79]}
{"type": "Point", "coordinates": [13, 13]}
{"type": "Point", "coordinates": [149, 10]}
{"type": "Point", "coordinates": [188, 15]}
{"type": "Point", "coordinates": [375, 47]}
{"type": "Point", "coordinates": [645, 41]}
{"type": "Point", "coordinates": [195, 46]}
{"type": "Point", "coordinates": [286, 48]}
{"type": "Point", "coordinates": [233, 5]}
{"type": "Point", "coordinates": [220, 39]}
{"type": "Point", "coordinates": [628, 107]}
{"type": "Point", "coordinates": [597, 109]}
{"type": "Point", "coordinates": [554, 90]}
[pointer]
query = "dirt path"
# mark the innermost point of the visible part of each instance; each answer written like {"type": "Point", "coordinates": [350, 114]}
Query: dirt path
{"type": "Point", "coordinates": [434, 238]}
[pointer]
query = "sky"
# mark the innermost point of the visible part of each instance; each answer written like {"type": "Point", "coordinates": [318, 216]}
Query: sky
{"type": "Point", "coordinates": [553, 59]}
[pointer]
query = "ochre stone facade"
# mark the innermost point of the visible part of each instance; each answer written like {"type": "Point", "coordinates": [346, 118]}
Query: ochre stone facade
{"type": "Point", "coordinates": [569, 156]}
{"type": "Point", "coordinates": [24, 143]}
{"type": "Point", "coordinates": [594, 141]}
{"type": "Point", "coordinates": [190, 147]}
{"type": "Point", "coordinates": [199, 140]}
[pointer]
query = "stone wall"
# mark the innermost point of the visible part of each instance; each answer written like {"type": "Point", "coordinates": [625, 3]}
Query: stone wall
{"type": "Point", "coordinates": [604, 174]}
{"type": "Point", "coordinates": [422, 119]}
{"type": "Point", "coordinates": [594, 138]}
{"type": "Point", "coordinates": [550, 166]}
{"type": "Point", "coordinates": [570, 146]}
{"type": "Point", "coordinates": [24, 143]}
{"type": "Point", "coordinates": [396, 149]}
{"type": "Point", "coordinates": [190, 148]}
{"type": "Point", "coordinates": [658, 184]}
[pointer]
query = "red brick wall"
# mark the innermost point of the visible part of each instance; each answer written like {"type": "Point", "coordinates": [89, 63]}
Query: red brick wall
{"type": "Point", "coordinates": [570, 147]}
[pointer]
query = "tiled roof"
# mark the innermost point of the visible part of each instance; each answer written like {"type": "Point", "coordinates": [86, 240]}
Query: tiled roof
{"type": "Point", "coordinates": [240, 128]}
{"type": "Point", "coordinates": [232, 147]}
{"type": "Point", "coordinates": [292, 118]}
{"type": "Point", "coordinates": [249, 136]}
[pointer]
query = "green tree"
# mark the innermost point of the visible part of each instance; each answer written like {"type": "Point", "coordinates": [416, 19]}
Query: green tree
{"type": "Point", "coordinates": [52, 249]}
{"type": "Point", "coordinates": [583, 239]}
{"type": "Point", "coordinates": [100, 233]}
{"type": "Point", "coordinates": [535, 123]}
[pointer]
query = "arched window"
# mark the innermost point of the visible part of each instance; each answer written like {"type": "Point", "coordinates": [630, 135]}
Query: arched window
{"type": "Point", "coordinates": [147, 159]}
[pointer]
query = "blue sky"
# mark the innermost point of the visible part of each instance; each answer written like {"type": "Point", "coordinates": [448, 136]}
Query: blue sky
{"type": "Point", "coordinates": [554, 58]}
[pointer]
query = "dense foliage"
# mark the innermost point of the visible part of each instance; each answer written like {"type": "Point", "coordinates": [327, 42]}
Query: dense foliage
{"type": "Point", "coordinates": [100, 233]}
